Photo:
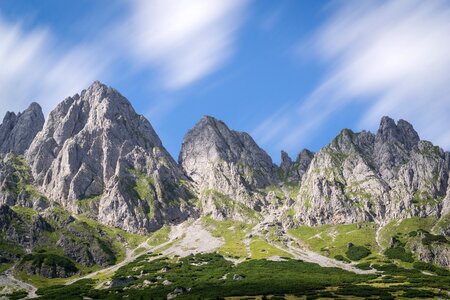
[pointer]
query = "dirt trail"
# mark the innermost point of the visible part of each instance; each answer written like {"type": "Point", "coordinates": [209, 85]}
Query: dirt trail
{"type": "Point", "coordinates": [377, 236]}
{"type": "Point", "coordinates": [293, 247]}
{"type": "Point", "coordinates": [8, 279]}
{"type": "Point", "coordinates": [129, 257]}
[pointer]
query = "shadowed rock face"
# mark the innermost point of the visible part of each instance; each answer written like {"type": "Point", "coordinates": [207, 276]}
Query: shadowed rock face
{"type": "Point", "coordinates": [367, 177]}
{"type": "Point", "coordinates": [96, 153]}
{"type": "Point", "coordinates": [225, 161]}
{"type": "Point", "coordinates": [18, 131]}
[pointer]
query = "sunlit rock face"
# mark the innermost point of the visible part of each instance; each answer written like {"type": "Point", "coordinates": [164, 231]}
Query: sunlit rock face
{"type": "Point", "coordinates": [226, 165]}
{"type": "Point", "coordinates": [95, 154]}
{"type": "Point", "coordinates": [18, 130]}
{"type": "Point", "coordinates": [375, 177]}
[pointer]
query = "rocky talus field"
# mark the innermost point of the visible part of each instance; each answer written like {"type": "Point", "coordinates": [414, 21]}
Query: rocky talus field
{"type": "Point", "coordinates": [92, 206]}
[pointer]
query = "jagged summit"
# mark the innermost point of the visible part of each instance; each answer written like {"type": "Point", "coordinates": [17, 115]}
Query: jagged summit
{"type": "Point", "coordinates": [18, 131]}
{"type": "Point", "coordinates": [366, 177]}
{"type": "Point", "coordinates": [94, 144]}
{"type": "Point", "coordinates": [221, 160]}
{"type": "Point", "coordinates": [402, 132]}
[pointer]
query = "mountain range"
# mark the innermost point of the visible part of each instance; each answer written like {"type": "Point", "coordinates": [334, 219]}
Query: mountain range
{"type": "Point", "coordinates": [94, 178]}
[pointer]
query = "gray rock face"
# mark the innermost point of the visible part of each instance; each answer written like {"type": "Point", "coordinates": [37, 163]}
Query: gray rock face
{"type": "Point", "coordinates": [95, 154]}
{"type": "Point", "coordinates": [16, 184]}
{"type": "Point", "coordinates": [286, 161]}
{"type": "Point", "coordinates": [226, 162]}
{"type": "Point", "coordinates": [18, 131]}
{"type": "Point", "coordinates": [367, 177]}
{"type": "Point", "coordinates": [294, 171]}
{"type": "Point", "coordinates": [436, 252]}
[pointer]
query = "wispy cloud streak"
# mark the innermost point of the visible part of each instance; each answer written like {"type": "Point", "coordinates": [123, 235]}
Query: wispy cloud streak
{"type": "Point", "coordinates": [185, 39]}
{"type": "Point", "coordinates": [391, 57]}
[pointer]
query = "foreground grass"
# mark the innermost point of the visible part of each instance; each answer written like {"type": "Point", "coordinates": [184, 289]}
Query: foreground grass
{"type": "Point", "coordinates": [210, 276]}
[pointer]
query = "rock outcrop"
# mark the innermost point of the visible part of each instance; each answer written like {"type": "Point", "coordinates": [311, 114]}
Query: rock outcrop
{"type": "Point", "coordinates": [293, 171]}
{"type": "Point", "coordinates": [227, 167]}
{"type": "Point", "coordinates": [18, 131]}
{"type": "Point", "coordinates": [367, 177]}
{"type": "Point", "coordinates": [96, 155]}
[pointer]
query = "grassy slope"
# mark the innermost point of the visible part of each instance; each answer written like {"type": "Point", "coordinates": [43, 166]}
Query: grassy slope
{"type": "Point", "coordinates": [233, 233]}
{"type": "Point", "coordinates": [404, 227]}
{"type": "Point", "coordinates": [332, 240]}
{"type": "Point", "coordinates": [260, 249]}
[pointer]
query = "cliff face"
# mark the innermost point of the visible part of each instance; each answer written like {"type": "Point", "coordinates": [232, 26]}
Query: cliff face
{"type": "Point", "coordinates": [367, 177]}
{"type": "Point", "coordinates": [96, 155]}
{"type": "Point", "coordinates": [226, 166]}
{"type": "Point", "coordinates": [18, 131]}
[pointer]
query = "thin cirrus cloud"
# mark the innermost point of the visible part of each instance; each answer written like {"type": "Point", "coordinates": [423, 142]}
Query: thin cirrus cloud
{"type": "Point", "coordinates": [34, 69]}
{"type": "Point", "coordinates": [184, 39]}
{"type": "Point", "coordinates": [181, 41]}
{"type": "Point", "coordinates": [391, 57]}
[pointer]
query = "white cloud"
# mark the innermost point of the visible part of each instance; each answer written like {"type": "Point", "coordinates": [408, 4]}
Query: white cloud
{"type": "Point", "coordinates": [185, 39]}
{"type": "Point", "coordinates": [392, 57]}
{"type": "Point", "coordinates": [33, 68]}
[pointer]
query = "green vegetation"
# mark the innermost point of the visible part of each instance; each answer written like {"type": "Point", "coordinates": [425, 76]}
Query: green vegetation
{"type": "Point", "coordinates": [423, 198]}
{"type": "Point", "coordinates": [210, 276]}
{"type": "Point", "coordinates": [260, 249]}
{"type": "Point", "coordinates": [20, 178]}
{"type": "Point", "coordinates": [233, 232]}
{"type": "Point", "coordinates": [20, 294]}
{"type": "Point", "coordinates": [49, 260]}
{"type": "Point", "coordinates": [363, 266]}
{"type": "Point", "coordinates": [431, 268]}
{"type": "Point", "coordinates": [144, 190]}
{"type": "Point", "coordinates": [222, 201]}
{"type": "Point", "coordinates": [25, 212]}
{"type": "Point", "coordinates": [333, 240]}
{"type": "Point", "coordinates": [443, 222]}
{"type": "Point", "coordinates": [431, 238]}
{"type": "Point", "coordinates": [159, 237]}
{"type": "Point", "coordinates": [342, 258]}
{"type": "Point", "coordinates": [402, 228]}
{"type": "Point", "coordinates": [400, 253]}
{"type": "Point", "coordinates": [132, 240]}
{"type": "Point", "coordinates": [357, 252]}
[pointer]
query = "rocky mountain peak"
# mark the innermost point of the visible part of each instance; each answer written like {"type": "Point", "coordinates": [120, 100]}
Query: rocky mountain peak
{"type": "Point", "coordinates": [211, 139]}
{"type": "Point", "coordinates": [304, 157]}
{"type": "Point", "coordinates": [95, 146]}
{"type": "Point", "coordinates": [286, 161]}
{"type": "Point", "coordinates": [18, 131]}
{"type": "Point", "coordinates": [402, 132]}
{"type": "Point", "coordinates": [224, 161]}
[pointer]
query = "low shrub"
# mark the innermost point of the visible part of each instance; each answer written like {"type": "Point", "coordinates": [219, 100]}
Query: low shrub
{"type": "Point", "coordinates": [341, 258]}
{"type": "Point", "coordinates": [363, 266]}
{"type": "Point", "coordinates": [429, 239]}
{"type": "Point", "coordinates": [357, 252]}
{"type": "Point", "coordinates": [399, 253]}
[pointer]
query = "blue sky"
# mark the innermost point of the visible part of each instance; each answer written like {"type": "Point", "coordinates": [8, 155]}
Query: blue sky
{"type": "Point", "coordinates": [291, 73]}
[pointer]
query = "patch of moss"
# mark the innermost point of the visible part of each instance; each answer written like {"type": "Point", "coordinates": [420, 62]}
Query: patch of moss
{"type": "Point", "coordinates": [144, 188]}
